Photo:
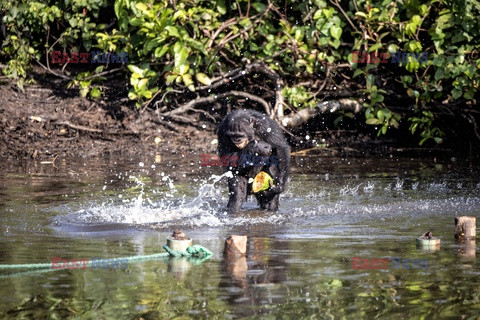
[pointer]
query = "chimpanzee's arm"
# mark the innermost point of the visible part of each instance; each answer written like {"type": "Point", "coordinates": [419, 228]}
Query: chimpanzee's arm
{"type": "Point", "coordinates": [270, 132]}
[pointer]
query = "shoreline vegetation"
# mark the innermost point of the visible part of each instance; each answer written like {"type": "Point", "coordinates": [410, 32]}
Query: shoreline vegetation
{"type": "Point", "coordinates": [316, 67]}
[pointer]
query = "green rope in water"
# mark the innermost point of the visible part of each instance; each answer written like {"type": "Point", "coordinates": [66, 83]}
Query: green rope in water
{"type": "Point", "coordinates": [193, 251]}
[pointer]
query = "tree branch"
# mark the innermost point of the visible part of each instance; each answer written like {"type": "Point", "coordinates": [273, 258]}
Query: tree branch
{"type": "Point", "coordinates": [204, 100]}
{"type": "Point", "coordinates": [304, 115]}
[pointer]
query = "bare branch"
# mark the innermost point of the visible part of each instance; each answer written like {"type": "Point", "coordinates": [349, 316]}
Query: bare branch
{"type": "Point", "coordinates": [304, 115]}
{"type": "Point", "coordinates": [104, 73]}
{"type": "Point", "coordinates": [336, 4]}
{"type": "Point", "coordinates": [78, 127]}
{"type": "Point", "coordinates": [52, 72]}
{"type": "Point", "coordinates": [222, 27]}
{"type": "Point", "coordinates": [204, 100]}
{"type": "Point", "coordinates": [93, 130]}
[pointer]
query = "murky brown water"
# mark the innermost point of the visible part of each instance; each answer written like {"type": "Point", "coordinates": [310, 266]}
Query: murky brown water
{"type": "Point", "coordinates": [299, 259]}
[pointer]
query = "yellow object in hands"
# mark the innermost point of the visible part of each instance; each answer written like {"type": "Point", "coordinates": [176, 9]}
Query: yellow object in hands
{"type": "Point", "coordinates": [263, 181]}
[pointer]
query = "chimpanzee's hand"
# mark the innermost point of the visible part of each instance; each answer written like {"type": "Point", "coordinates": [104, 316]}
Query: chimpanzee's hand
{"type": "Point", "coordinates": [273, 190]}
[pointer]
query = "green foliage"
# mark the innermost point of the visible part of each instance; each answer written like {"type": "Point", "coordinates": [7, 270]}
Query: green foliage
{"type": "Point", "coordinates": [31, 25]}
{"type": "Point", "coordinates": [87, 81]}
{"type": "Point", "coordinates": [186, 40]}
{"type": "Point", "coordinates": [141, 78]}
{"type": "Point", "coordinates": [425, 124]}
{"type": "Point", "coordinates": [448, 32]}
{"type": "Point", "coordinates": [299, 97]}
{"type": "Point", "coordinates": [183, 46]}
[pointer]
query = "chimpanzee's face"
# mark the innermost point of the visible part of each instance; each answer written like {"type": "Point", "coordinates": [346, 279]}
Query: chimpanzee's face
{"type": "Point", "coordinates": [239, 139]}
{"type": "Point", "coordinates": [241, 132]}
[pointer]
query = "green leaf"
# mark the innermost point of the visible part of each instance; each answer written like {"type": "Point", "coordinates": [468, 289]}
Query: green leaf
{"type": "Point", "coordinates": [328, 13]}
{"type": "Point", "coordinates": [423, 140]}
{"type": "Point", "coordinates": [142, 84]}
{"type": "Point", "coordinates": [469, 94]}
{"type": "Point", "coordinates": [203, 78]}
{"type": "Point", "coordinates": [370, 81]}
{"type": "Point", "coordinates": [170, 79]}
{"type": "Point", "coordinates": [361, 14]}
{"type": "Point", "coordinates": [336, 283]}
{"type": "Point", "coordinates": [392, 48]}
{"type": "Point", "coordinates": [84, 92]}
{"type": "Point", "coordinates": [180, 53]}
{"type": "Point", "coordinates": [384, 129]}
{"type": "Point", "coordinates": [135, 70]}
{"type": "Point", "coordinates": [73, 21]}
{"type": "Point", "coordinates": [320, 3]}
{"type": "Point", "coordinates": [380, 115]}
{"type": "Point", "coordinates": [445, 21]}
{"type": "Point", "coordinates": [221, 7]}
{"type": "Point", "coordinates": [172, 31]}
{"type": "Point", "coordinates": [134, 81]}
{"type": "Point", "coordinates": [456, 93]}
{"type": "Point", "coordinates": [99, 69]}
{"type": "Point", "coordinates": [96, 92]}
{"type": "Point", "coordinates": [423, 9]}
{"type": "Point", "coordinates": [245, 22]}
{"type": "Point", "coordinates": [372, 121]}
{"type": "Point", "coordinates": [335, 43]}
{"type": "Point", "coordinates": [439, 74]}
{"type": "Point", "coordinates": [394, 123]}
{"type": "Point", "coordinates": [136, 22]}
{"type": "Point", "coordinates": [118, 8]}
{"type": "Point", "coordinates": [141, 6]}
{"type": "Point", "coordinates": [183, 69]}
{"type": "Point", "coordinates": [299, 35]}
{"type": "Point", "coordinates": [85, 84]}
{"type": "Point", "coordinates": [160, 52]}
{"type": "Point", "coordinates": [187, 80]}
{"type": "Point", "coordinates": [336, 32]}
{"type": "Point", "coordinates": [260, 7]}
{"type": "Point", "coordinates": [438, 140]}
{"type": "Point", "coordinates": [148, 94]}
{"type": "Point", "coordinates": [375, 47]}
{"type": "Point", "coordinates": [413, 127]}
{"type": "Point", "coordinates": [182, 14]}
{"type": "Point", "coordinates": [357, 73]}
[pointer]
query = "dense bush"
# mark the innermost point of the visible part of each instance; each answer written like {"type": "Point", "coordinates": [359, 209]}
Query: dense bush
{"type": "Point", "coordinates": [176, 48]}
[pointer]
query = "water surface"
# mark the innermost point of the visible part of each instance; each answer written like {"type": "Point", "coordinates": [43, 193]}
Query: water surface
{"type": "Point", "coordinates": [299, 259]}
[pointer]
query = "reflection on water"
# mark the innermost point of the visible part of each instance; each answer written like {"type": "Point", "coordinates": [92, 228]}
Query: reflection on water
{"type": "Point", "coordinates": [299, 259]}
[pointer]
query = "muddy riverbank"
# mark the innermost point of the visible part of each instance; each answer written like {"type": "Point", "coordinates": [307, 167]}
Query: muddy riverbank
{"type": "Point", "coordinates": [41, 124]}
{"type": "Point", "coordinates": [47, 122]}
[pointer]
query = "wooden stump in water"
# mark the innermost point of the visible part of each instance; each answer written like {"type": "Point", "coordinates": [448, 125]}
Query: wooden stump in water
{"type": "Point", "coordinates": [465, 228]}
{"type": "Point", "coordinates": [236, 245]}
{"type": "Point", "coordinates": [467, 250]}
{"type": "Point", "coordinates": [236, 262]}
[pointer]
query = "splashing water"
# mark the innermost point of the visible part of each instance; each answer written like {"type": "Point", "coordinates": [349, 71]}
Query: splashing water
{"type": "Point", "coordinates": [343, 199]}
{"type": "Point", "coordinates": [171, 208]}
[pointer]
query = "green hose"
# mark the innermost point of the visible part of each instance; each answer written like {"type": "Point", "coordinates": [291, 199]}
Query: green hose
{"type": "Point", "coordinates": [193, 251]}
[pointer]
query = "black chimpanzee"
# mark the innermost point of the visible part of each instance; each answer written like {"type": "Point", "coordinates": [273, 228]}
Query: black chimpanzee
{"type": "Point", "coordinates": [244, 132]}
